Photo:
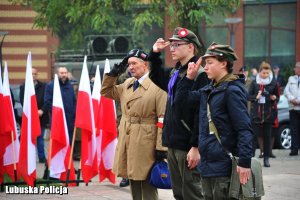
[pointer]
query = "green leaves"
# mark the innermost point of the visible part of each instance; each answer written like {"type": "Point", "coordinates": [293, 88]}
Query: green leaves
{"type": "Point", "coordinates": [72, 19]}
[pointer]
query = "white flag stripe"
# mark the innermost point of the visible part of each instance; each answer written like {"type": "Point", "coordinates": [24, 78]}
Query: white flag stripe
{"type": "Point", "coordinates": [57, 102]}
{"type": "Point", "coordinates": [8, 157]}
{"type": "Point", "coordinates": [96, 96]}
{"type": "Point", "coordinates": [84, 86]}
{"type": "Point", "coordinates": [97, 85]}
{"type": "Point", "coordinates": [106, 70]}
{"type": "Point", "coordinates": [28, 93]}
{"type": "Point", "coordinates": [57, 163]}
{"type": "Point", "coordinates": [108, 159]}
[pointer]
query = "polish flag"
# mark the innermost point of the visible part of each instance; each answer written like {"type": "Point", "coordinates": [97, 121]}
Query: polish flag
{"type": "Point", "coordinates": [96, 97]}
{"type": "Point", "coordinates": [60, 148]}
{"type": "Point", "coordinates": [108, 126]}
{"type": "Point", "coordinates": [30, 129]}
{"type": "Point", "coordinates": [85, 121]}
{"type": "Point", "coordinates": [11, 148]}
{"type": "Point", "coordinates": [1, 106]}
{"type": "Point", "coordinates": [2, 150]}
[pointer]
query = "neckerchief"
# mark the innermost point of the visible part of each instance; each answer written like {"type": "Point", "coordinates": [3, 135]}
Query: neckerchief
{"type": "Point", "coordinates": [171, 85]}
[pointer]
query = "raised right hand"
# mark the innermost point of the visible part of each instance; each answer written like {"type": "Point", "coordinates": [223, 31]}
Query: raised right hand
{"type": "Point", "coordinates": [193, 69]}
{"type": "Point", "coordinates": [159, 45]}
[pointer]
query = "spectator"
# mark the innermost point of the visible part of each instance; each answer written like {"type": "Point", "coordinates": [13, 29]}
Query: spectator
{"type": "Point", "coordinates": [264, 95]}
{"type": "Point", "coordinates": [68, 98]}
{"type": "Point", "coordinates": [253, 73]}
{"type": "Point", "coordinates": [248, 81]}
{"type": "Point", "coordinates": [44, 118]}
{"type": "Point", "coordinates": [292, 93]}
{"type": "Point", "coordinates": [278, 77]}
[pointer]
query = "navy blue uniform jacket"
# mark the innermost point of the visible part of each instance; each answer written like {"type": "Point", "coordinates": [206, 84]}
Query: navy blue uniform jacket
{"type": "Point", "coordinates": [228, 106]}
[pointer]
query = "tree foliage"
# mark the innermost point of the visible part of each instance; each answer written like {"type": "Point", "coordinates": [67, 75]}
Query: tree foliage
{"type": "Point", "coordinates": [71, 20]}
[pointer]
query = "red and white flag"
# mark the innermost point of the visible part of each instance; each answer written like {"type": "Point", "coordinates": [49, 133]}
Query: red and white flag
{"type": "Point", "coordinates": [108, 126]}
{"type": "Point", "coordinates": [1, 106]}
{"type": "Point", "coordinates": [30, 129]}
{"type": "Point", "coordinates": [9, 130]}
{"type": "Point", "coordinates": [96, 98]}
{"type": "Point", "coordinates": [60, 146]}
{"type": "Point", "coordinates": [1, 130]}
{"type": "Point", "coordinates": [85, 120]}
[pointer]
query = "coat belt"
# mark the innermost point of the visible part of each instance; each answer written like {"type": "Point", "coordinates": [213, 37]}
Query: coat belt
{"type": "Point", "coordinates": [140, 120]}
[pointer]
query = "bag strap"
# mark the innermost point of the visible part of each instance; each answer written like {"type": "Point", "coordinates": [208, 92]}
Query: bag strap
{"type": "Point", "coordinates": [212, 128]}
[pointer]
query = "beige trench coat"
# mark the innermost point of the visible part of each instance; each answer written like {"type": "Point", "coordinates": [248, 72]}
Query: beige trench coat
{"type": "Point", "coordinates": [139, 136]}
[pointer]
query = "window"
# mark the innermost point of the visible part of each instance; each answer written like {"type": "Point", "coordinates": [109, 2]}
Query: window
{"type": "Point", "coordinates": [270, 34]}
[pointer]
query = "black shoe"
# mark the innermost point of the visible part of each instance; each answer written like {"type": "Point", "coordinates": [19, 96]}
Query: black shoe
{"type": "Point", "coordinates": [124, 182]}
{"type": "Point", "coordinates": [266, 162]}
{"type": "Point", "coordinates": [261, 155]}
{"type": "Point", "coordinates": [272, 155]}
{"type": "Point", "coordinates": [294, 154]}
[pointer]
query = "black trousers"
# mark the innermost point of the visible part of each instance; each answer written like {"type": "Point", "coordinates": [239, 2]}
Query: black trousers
{"type": "Point", "coordinates": [265, 130]}
{"type": "Point", "coordinates": [295, 129]}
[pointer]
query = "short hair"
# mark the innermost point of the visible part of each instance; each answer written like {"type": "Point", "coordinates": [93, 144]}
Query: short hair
{"type": "Point", "coordinates": [59, 67]}
{"type": "Point", "coordinates": [264, 66]}
{"type": "Point", "coordinates": [229, 66]}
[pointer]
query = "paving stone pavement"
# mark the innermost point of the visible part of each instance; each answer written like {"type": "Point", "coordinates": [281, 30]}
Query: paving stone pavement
{"type": "Point", "coordinates": [281, 181]}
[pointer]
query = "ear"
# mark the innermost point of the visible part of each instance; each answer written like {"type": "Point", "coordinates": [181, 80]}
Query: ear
{"type": "Point", "coordinates": [191, 46]}
{"type": "Point", "coordinates": [223, 64]}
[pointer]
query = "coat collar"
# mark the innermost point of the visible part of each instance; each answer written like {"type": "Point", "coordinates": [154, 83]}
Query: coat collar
{"type": "Point", "coordinates": [140, 92]}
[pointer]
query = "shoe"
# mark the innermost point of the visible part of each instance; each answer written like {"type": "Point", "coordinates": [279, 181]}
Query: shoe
{"type": "Point", "coordinates": [294, 154]}
{"type": "Point", "coordinates": [42, 160]}
{"type": "Point", "coordinates": [261, 155]}
{"type": "Point", "coordinates": [266, 162]}
{"type": "Point", "coordinates": [124, 182]}
{"type": "Point", "coordinates": [272, 155]}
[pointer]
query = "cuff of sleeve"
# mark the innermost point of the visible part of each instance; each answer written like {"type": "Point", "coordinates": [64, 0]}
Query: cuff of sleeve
{"type": "Point", "coordinates": [153, 54]}
{"type": "Point", "coordinates": [246, 163]}
{"type": "Point", "coordinates": [187, 81]}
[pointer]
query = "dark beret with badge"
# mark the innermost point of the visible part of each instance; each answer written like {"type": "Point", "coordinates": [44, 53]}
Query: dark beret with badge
{"type": "Point", "coordinates": [183, 34]}
{"type": "Point", "coordinates": [223, 51]}
{"type": "Point", "coordinates": [137, 53]}
{"type": "Point", "coordinates": [120, 68]}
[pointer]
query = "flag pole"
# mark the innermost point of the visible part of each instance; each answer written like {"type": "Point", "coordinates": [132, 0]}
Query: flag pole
{"type": "Point", "coordinates": [14, 155]}
{"type": "Point", "coordinates": [71, 156]}
{"type": "Point", "coordinates": [48, 162]}
{"type": "Point", "coordinates": [78, 173]}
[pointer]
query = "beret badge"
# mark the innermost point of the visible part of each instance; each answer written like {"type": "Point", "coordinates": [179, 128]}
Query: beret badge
{"type": "Point", "coordinates": [183, 32]}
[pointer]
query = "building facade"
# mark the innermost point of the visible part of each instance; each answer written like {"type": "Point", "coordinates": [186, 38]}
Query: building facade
{"type": "Point", "coordinates": [23, 37]}
{"type": "Point", "coordinates": [268, 30]}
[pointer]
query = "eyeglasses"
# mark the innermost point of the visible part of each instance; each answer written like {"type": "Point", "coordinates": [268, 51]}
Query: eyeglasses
{"type": "Point", "coordinates": [176, 45]}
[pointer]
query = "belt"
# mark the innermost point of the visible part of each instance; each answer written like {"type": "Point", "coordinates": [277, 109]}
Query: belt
{"type": "Point", "coordinates": [140, 120]}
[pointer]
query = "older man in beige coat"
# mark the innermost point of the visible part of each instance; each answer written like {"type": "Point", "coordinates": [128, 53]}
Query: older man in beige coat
{"type": "Point", "coordinates": [142, 104]}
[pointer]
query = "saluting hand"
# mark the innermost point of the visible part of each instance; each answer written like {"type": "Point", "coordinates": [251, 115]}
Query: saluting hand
{"type": "Point", "coordinates": [193, 69]}
{"type": "Point", "coordinates": [244, 174]}
{"type": "Point", "coordinates": [159, 45]}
